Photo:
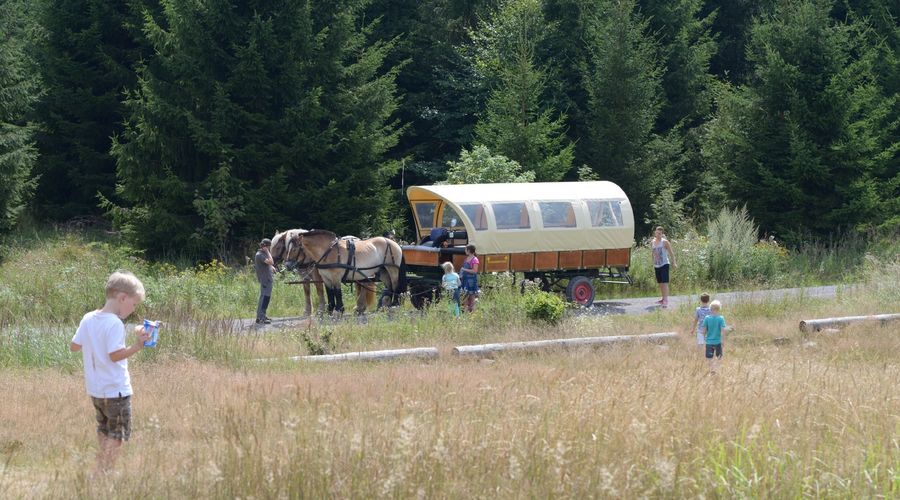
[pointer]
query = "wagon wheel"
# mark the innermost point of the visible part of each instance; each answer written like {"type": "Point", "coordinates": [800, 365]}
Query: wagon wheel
{"type": "Point", "coordinates": [581, 291]}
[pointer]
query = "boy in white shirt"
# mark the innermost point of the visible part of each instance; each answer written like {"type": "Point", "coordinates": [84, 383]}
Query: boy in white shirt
{"type": "Point", "coordinates": [101, 339]}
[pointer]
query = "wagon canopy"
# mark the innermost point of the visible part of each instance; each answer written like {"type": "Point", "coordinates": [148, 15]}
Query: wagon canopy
{"type": "Point", "coordinates": [528, 217]}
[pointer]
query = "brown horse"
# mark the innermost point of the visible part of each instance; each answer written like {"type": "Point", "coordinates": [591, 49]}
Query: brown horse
{"type": "Point", "coordinates": [332, 256]}
{"type": "Point", "coordinates": [308, 274]}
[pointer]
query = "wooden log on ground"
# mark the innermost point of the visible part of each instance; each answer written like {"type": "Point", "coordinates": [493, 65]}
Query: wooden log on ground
{"type": "Point", "coordinates": [816, 325]}
{"type": "Point", "coordinates": [416, 353]}
{"type": "Point", "coordinates": [484, 350]}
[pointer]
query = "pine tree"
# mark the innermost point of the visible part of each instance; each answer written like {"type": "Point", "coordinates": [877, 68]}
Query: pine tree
{"type": "Point", "coordinates": [442, 94]}
{"type": "Point", "coordinates": [18, 91]}
{"type": "Point", "coordinates": [623, 82]}
{"type": "Point", "coordinates": [518, 123]}
{"type": "Point", "coordinates": [809, 143]}
{"type": "Point", "coordinates": [281, 114]}
{"type": "Point", "coordinates": [88, 59]}
{"type": "Point", "coordinates": [687, 47]}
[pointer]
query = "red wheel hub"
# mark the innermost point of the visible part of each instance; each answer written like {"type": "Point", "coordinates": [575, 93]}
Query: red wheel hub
{"type": "Point", "coordinates": [582, 293]}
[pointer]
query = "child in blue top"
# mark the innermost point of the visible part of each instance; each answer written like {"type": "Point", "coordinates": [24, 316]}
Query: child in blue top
{"type": "Point", "coordinates": [451, 283]}
{"type": "Point", "coordinates": [713, 325]}
{"type": "Point", "coordinates": [699, 315]}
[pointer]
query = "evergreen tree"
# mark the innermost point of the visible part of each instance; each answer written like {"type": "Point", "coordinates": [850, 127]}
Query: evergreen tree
{"type": "Point", "coordinates": [442, 94]}
{"type": "Point", "coordinates": [687, 46]}
{"type": "Point", "coordinates": [18, 91]}
{"type": "Point", "coordinates": [623, 81]}
{"type": "Point", "coordinates": [254, 117]}
{"type": "Point", "coordinates": [810, 142]}
{"type": "Point", "coordinates": [517, 122]}
{"type": "Point", "coordinates": [87, 59]}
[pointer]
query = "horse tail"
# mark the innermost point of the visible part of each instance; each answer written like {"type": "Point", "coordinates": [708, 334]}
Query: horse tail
{"type": "Point", "coordinates": [370, 295]}
{"type": "Point", "coordinates": [401, 277]}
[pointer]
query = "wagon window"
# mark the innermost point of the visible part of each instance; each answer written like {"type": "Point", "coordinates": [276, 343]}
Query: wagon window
{"type": "Point", "coordinates": [475, 213]}
{"type": "Point", "coordinates": [511, 215]}
{"type": "Point", "coordinates": [425, 214]}
{"type": "Point", "coordinates": [448, 217]}
{"type": "Point", "coordinates": [605, 213]}
{"type": "Point", "coordinates": [557, 213]}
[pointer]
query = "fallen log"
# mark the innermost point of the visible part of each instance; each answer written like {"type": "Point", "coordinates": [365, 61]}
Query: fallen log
{"type": "Point", "coordinates": [816, 325]}
{"type": "Point", "coordinates": [484, 350]}
{"type": "Point", "coordinates": [417, 353]}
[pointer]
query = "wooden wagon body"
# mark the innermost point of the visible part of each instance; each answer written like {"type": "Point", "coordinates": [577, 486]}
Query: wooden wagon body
{"type": "Point", "coordinates": [550, 232]}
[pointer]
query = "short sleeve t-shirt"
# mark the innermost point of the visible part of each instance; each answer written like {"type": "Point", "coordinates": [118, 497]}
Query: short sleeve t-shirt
{"type": "Point", "coordinates": [714, 326]}
{"type": "Point", "coordinates": [451, 281]}
{"type": "Point", "coordinates": [99, 334]}
{"type": "Point", "coordinates": [702, 312]}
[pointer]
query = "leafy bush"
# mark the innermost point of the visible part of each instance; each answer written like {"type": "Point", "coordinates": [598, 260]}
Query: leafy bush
{"type": "Point", "coordinates": [731, 237]}
{"type": "Point", "coordinates": [544, 306]}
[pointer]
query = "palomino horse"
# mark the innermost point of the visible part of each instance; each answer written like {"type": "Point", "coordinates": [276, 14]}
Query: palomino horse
{"type": "Point", "coordinates": [308, 274]}
{"type": "Point", "coordinates": [339, 260]}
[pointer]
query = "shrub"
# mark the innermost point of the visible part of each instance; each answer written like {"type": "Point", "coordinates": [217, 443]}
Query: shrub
{"type": "Point", "coordinates": [731, 237]}
{"type": "Point", "coordinates": [544, 306]}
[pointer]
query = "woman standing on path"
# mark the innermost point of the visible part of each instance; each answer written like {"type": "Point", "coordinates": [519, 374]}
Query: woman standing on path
{"type": "Point", "coordinates": [662, 256]}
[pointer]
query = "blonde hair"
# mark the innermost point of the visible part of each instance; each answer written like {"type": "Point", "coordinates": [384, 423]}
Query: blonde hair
{"type": "Point", "coordinates": [448, 267]}
{"type": "Point", "coordinates": [715, 305]}
{"type": "Point", "coordinates": [124, 282]}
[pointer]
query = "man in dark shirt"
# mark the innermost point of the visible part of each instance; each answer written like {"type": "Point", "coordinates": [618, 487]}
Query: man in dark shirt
{"type": "Point", "coordinates": [265, 273]}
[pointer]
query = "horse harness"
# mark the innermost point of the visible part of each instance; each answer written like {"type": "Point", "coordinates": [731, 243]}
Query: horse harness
{"type": "Point", "coordinates": [350, 267]}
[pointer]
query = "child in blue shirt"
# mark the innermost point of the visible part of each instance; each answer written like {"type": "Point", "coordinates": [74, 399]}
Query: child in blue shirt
{"type": "Point", "coordinates": [713, 325]}
{"type": "Point", "coordinates": [451, 283]}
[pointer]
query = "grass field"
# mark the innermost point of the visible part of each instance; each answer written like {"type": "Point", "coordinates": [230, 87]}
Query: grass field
{"type": "Point", "coordinates": [815, 416]}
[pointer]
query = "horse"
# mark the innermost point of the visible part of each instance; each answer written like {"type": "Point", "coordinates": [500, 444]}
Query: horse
{"type": "Point", "coordinates": [338, 260]}
{"type": "Point", "coordinates": [309, 274]}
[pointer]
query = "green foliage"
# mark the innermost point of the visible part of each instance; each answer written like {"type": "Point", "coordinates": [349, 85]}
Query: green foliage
{"type": "Point", "coordinates": [668, 212]}
{"type": "Point", "coordinates": [479, 166]}
{"type": "Point", "coordinates": [19, 88]}
{"type": "Point", "coordinates": [810, 141]}
{"type": "Point", "coordinates": [518, 123]}
{"type": "Point", "coordinates": [544, 306]}
{"type": "Point", "coordinates": [623, 81]}
{"type": "Point", "coordinates": [731, 238]}
{"type": "Point", "coordinates": [324, 343]}
{"type": "Point", "coordinates": [294, 99]}
{"type": "Point", "coordinates": [88, 58]}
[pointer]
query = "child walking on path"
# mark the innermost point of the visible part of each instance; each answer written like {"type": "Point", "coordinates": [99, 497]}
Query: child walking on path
{"type": "Point", "coordinates": [451, 283]}
{"type": "Point", "coordinates": [101, 339]}
{"type": "Point", "coordinates": [713, 325]}
{"type": "Point", "coordinates": [699, 315]}
{"type": "Point", "coordinates": [469, 275]}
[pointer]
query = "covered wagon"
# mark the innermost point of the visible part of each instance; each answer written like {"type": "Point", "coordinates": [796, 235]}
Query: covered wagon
{"type": "Point", "coordinates": [556, 233]}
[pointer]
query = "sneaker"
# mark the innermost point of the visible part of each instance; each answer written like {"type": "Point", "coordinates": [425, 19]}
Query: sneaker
{"type": "Point", "coordinates": [265, 321]}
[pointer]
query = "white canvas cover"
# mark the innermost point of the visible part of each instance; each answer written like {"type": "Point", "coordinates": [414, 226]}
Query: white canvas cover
{"type": "Point", "coordinates": [533, 217]}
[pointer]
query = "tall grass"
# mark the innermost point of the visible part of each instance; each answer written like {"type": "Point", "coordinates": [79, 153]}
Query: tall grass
{"type": "Point", "coordinates": [807, 419]}
{"type": "Point", "coordinates": [816, 416]}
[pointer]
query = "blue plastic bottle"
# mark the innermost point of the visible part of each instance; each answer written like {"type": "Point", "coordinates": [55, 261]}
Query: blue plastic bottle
{"type": "Point", "coordinates": [153, 328]}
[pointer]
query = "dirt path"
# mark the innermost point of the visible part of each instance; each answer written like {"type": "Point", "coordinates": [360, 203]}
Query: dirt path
{"type": "Point", "coordinates": [640, 305]}
{"type": "Point", "coordinates": [648, 304]}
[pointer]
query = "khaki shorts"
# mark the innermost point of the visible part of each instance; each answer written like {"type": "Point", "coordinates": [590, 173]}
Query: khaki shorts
{"type": "Point", "coordinates": [113, 417]}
